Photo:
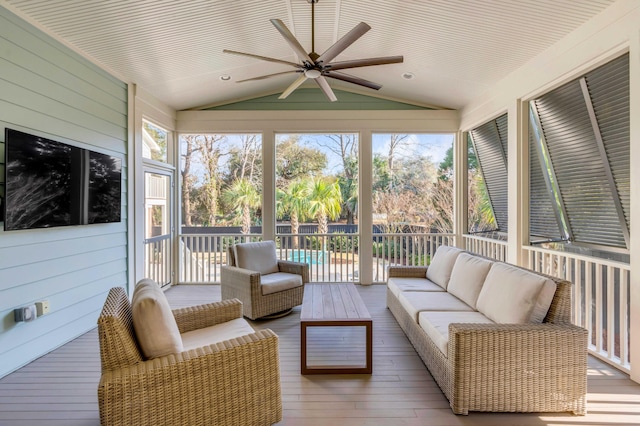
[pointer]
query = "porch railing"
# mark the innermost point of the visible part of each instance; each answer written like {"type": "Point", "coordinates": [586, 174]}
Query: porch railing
{"type": "Point", "coordinates": [158, 259]}
{"type": "Point", "coordinates": [331, 257]}
{"type": "Point", "coordinates": [600, 298]}
{"type": "Point", "coordinates": [405, 249]}
{"type": "Point", "coordinates": [488, 247]}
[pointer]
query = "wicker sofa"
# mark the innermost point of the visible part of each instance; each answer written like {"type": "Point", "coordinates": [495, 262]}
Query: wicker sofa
{"type": "Point", "coordinates": [482, 344]}
{"type": "Point", "coordinates": [235, 381]}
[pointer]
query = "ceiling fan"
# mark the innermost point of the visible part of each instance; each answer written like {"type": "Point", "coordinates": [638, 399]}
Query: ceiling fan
{"type": "Point", "coordinates": [317, 67]}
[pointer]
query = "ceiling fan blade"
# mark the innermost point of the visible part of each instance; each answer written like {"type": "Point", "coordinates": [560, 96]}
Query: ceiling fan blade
{"type": "Point", "coordinates": [322, 82]}
{"type": "Point", "coordinates": [365, 62]}
{"type": "Point", "coordinates": [293, 86]}
{"type": "Point", "coordinates": [346, 41]}
{"type": "Point", "coordinates": [263, 58]}
{"type": "Point", "coordinates": [262, 77]}
{"type": "Point", "coordinates": [352, 79]}
{"type": "Point", "coordinates": [291, 39]}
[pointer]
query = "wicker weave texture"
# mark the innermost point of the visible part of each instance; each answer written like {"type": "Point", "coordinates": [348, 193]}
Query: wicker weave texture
{"type": "Point", "coordinates": [507, 367]}
{"type": "Point", "coordinates": [236, 382]}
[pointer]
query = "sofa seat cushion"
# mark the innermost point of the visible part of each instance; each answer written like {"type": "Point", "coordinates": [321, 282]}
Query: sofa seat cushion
{"type": "Point", "coordinates": [467, 277]}
{"type": "Point", "coordinates": [511, 295]}
{"type": "Point", "coordinates": [237, 327]}
{"type": "Point", "coordinates": [439, 271]}
{"type": "Point", "coordinates": [153, 321]}
{"type": "Point", "coordinates": [260, 257]}
{"type": "Point", "coordinates": [397, 285]}
{"type": "Point", "coordinates": [415, 302]}
{"type": "Point", "coordinates": [279, 281]}
{"type": "Point", "coordinates": [436, 325]}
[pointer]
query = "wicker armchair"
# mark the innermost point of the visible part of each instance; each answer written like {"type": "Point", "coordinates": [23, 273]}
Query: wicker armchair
{"type": "Point", "coordinates": [235, 382]}
{"type": "Point", "coordinates": [264, 284]}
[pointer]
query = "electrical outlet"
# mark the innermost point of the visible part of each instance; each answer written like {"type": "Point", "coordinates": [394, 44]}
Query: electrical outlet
{"type": "Point", "coordinates": [42, 307]}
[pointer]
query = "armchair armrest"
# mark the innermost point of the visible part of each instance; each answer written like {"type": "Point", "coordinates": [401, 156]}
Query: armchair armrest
{"type": "Point", "coordinates": [196, 317]}
{"type": "Point", "coordinates": [298, 268]}
{"type": "Point", "coordinates": [239, 278]}
{"type": "Point", "coordinates": [208, 383]}
{"type": "Point", "coordinates": [407, 271]}
{"type": "Point", "coordinates": [538, 365]}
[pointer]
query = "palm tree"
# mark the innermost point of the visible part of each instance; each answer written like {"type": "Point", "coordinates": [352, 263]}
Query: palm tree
{"type": "Point", "coordinates": [294, 201]}
{"type": "Point", "coordinates": [325, 201]}
{"type": "Point", "coordinates": [243, 196]}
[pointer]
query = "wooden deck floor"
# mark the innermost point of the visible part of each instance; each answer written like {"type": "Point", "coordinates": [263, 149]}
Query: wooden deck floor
{"type": "Point", "coordinates": [60, 387]}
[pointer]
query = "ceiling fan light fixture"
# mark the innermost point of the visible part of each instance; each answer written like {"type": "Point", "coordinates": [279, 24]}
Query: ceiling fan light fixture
{"type": "Point", "coordinates": [225, 77]}
{"type": "Point", "coordinates": [408, 75]}
{"type": "Point", "coordinates": [313, 73]}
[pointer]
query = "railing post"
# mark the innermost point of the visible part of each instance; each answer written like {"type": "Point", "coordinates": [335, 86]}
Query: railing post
{"type": "Point", "coordinates": [460, 188]}
{"type": "Point", "coordinates": [365, 209]}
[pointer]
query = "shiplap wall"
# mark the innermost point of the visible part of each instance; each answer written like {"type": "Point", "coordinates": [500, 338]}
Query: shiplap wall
{"type": "Point", "coordinates": [48, 90]}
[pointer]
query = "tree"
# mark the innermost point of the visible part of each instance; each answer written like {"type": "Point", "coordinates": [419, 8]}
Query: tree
{"type": "Point", "coordinates": [294, 161]}
{"type": "Point", "coordinates": [345, 146]}
{"type": "Point", "coordinates": [349, 189]}
{"type": "Point", "coordinates": [325, 201]}
{"type": "Point", "coordinates": [210, 150]}
{"type": "Point", "coordinates": [243, 197]}
{"type": "Point", "coordinates": [395, 143]}
{"type": "Point", "coordinates": [245, 160]}
{"type": "Point", "coordinates": [294, 202]}
{"type": "Point", "coordinates": [188, 180]}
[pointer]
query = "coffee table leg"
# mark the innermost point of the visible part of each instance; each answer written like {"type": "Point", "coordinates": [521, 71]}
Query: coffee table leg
{"type": "Point", "coordinates": [303, 348]}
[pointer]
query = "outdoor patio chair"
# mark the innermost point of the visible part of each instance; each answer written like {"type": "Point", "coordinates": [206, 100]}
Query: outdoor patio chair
{"type": "Point", "coordinates": [266, 286]}
{"type": "Point", "coordinates": [207, 367]}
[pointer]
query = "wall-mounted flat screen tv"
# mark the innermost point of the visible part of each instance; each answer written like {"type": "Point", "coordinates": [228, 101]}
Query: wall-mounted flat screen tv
{"type": "Point", "coordinates": [50, 183]}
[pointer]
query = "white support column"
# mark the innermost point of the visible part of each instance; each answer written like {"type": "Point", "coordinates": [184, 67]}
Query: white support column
{"type": "Point", "coordinates": [133, 180]}
{"type": "Point", "coordinates": [518, 181]}
{"type": "Point", "coordinates": [634, 295]}
{"type": "Point", "coordinates": [460, 188]}
{"type": "Point", "coordinates": [269, 184]}
{"type": "Point", "coordinates": [365, 208]}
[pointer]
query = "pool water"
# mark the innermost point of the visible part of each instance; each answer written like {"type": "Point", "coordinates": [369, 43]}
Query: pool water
{"type": "Point", "coordinates": [309, 257]}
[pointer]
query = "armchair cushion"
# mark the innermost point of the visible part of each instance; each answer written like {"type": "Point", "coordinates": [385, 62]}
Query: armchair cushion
{"type": "Point", "coordinates": [279, 281]}
{"type": "Point", "coordinates": [154, 324]}
{"type": "Point", "coordinates": [513, 295]}
{"type": "Point", "coordinates": [260, 257]}
{"type": "Point", "coordinates": [216, 333]}
{"type": "Point", "coordinates": [439, 270]}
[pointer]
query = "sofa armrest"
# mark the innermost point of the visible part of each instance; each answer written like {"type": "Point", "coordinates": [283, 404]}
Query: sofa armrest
{"type": "Point", "coordinates": [205, 384]}
{"type": "Point", "coordinates": [298, 268]}
{"type": "Point", "coordinates": [519, 362]}
{"type": "Point", "coordinates": [196, 317]}
{"type": "Point", "coordinates": [407, 271]}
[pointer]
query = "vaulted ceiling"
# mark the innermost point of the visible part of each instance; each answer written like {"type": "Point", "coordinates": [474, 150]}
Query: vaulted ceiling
{"type": "Point", "coordinates": [455, 49]}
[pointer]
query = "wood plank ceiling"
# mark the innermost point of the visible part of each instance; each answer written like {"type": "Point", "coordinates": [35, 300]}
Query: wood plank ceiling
{"type": "Point", "coordinates": [173, 48]}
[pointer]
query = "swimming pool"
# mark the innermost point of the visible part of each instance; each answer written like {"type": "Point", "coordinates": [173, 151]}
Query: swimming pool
{"type": "Point", "coordinates": [311, 257]}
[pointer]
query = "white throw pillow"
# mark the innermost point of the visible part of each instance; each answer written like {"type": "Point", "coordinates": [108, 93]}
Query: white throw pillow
{"type": "Point", "coordinates": [260, 257]}
{"type": "Point", "coordinates": [467, 277]}
{"type": "Point", "coordinates": [155, 326]}
{"type": "Point", "coordinates": [513, 295]}
{"type": "Point", "coordinates": [439, 271]}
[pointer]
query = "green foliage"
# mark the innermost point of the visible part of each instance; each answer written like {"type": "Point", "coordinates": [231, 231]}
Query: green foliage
{"type": "Point", "coordinates": [343, 244]}
{"type": "Point", "coordinates": [295, 161]}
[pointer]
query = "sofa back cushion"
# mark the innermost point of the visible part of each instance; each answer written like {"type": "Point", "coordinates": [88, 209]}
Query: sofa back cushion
{"type": "Point", "coordinates": [260, 257]}
{"type": "Point", "coordinates": [467, 277]}
{"type": "Point", "coordinates": [439, 271]}
{"type": "Point", "coordinates": [155, 326]}
{"type": "Point", "coordinates": [513, 295]}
